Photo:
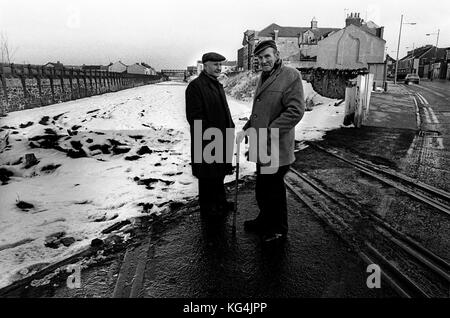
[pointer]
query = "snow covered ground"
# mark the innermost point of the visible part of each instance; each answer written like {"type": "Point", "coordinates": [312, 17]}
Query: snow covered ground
{"type": "Point", "coordinates": [94, 170]}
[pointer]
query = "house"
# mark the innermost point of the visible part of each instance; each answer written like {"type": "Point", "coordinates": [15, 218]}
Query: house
{"type": "Point", "coordinates": [138, 68]}
{"type": "Point", "coordinates": [151, 70]}
{"type": "Point", "coordinates": [57, 65]}
{"type": "Point", "coordinates": [413, 62]}
{"type": "Point", "coordinates": [352, 47]}
{"type": "Point", "coordinates": [117, 67]}
{"type": "Point", "coordinates": [299, 46]}
{"type": "Point", "coordinates": [245, 54]}
{"type": "Point", "coordinates": [390, 65]}
{"type": "Point", "coordinates": [426, 61]}
{"type": "Point", "coordinates": [434, 63]}
{"type": "Point", "coordinates": [94, 67]}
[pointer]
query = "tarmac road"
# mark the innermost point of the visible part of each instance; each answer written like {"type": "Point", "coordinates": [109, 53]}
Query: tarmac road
{"type": "Point", "coordinates": [431, 149]}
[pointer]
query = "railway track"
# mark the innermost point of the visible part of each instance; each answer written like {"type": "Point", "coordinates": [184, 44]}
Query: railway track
{"type": "Point", "coordinates": [410, 268]}
{"type": "Point", "coordinates": [437, 198]}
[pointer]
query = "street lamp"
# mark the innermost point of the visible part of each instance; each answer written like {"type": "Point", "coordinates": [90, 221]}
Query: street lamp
{"type": "Point", "coordinates": [435, 53]}
{"type": "Point", "coordinates": [398, 46]}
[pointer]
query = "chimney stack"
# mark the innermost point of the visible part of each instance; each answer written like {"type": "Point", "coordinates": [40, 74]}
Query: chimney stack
{"type": "Point", "coordinates": [314, 23]}
{"type": "Point", "coordinates": [353, 19]}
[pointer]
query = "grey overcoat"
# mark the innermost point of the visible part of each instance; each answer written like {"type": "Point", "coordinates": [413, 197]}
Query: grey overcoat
{"type": "Point", "coordinates": [278, 103]}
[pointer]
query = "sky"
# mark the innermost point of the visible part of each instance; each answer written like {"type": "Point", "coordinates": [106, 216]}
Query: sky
{"type": "Point", "coordinates": [175, 33]}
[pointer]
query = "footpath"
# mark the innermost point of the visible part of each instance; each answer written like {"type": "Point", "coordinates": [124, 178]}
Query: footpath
{"type": "Point", "coordinates": [388, 132]}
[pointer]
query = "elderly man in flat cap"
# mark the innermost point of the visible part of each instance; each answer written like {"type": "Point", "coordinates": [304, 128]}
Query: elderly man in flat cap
{"type": "Point", "coordinates": [278, 106]}
{"type": "Point", "coordinates": [207, 107]}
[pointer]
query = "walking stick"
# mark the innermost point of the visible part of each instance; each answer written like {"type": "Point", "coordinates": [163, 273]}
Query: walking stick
{"type": "Point", "coordinates": [236, 188]}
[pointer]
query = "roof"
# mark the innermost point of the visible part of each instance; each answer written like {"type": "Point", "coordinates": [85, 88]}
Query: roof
{"type": "Point", "coordinates": [57, 64]}
{"type": "Point", "coordinates": [372, 25]}
{"type": "Point", "coordinates": [365, 29]}
{"type": "Point", "coordinates": [356, 27]}
{"type": "Point", "coordinates": [118, 63]}
{"type": "Point", "coordinates": [389, 58]}
{"type": "Point", "coordinates": [137, 64]}
{"type": "Point", "coordinates": [293, 32]}
{"type": "Point", "coordinates": [319, 32]}
{"type": "Point", "coordinates": [372, 30]}
{"type": "Point", "coordinates": [146, 65]}
{"type": "Point", "coordinates": [92, 67]}
{"type": "Point", "coordinates": [417, 53]}
{"type": "Point", "coordinates": [441, 52]}
{"type": "Point", "coordinates": [287, 32]}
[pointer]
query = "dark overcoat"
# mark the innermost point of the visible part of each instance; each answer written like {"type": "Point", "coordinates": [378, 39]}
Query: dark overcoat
{"type": "Point", "coordinates": [206, 101]}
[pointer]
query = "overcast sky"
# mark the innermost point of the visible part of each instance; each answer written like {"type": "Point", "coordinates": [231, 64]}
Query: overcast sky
{"type": "Point", "coordinates": [175, 33]}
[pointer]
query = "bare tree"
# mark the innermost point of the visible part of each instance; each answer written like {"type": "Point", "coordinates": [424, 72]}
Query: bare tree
{"type": "Point", "coordinates": [7, 52]}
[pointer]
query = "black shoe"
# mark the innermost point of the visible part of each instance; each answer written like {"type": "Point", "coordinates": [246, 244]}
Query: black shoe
{"type": "Point", "coordinates": [253, 226]}
{"type": "Point", "coordinates": [274, 237]}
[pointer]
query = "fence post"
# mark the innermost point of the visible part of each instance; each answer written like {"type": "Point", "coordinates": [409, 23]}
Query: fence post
{"type": "Point", "coordinates": [350, 103]}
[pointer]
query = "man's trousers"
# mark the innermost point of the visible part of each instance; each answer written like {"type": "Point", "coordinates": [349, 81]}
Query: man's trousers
{"type": "Point", "coordinates": [271, 197]}
{"type": "Point", "coordinates": [212, 195]}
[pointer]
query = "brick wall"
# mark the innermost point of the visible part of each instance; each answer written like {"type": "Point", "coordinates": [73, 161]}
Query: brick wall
{"type": "Point", "coordinates": [28, 86]}
{"type": "Point", "coordinates": [46, 92]}
{"type": "Point", "coordinates": [14, 93]}
{"type": "Point", "coordinates": [3, 102]}
{"type": "Point", "coordinates": [330, 83]}
{"type": "Point", "coordinates": [32, 95]}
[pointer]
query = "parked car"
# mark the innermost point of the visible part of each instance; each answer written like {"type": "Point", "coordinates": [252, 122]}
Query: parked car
{"type": "Point", "coordinates": [412, 78]}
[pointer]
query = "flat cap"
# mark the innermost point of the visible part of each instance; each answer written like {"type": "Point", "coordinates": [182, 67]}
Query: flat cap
{"type": "Point", "coordinates": [261, 46]}
{"type": "Point", "coordinates": [213, 57]}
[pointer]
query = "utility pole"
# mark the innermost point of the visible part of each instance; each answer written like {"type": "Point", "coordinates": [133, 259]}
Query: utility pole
{"type": "Point", "coordinates": [412, 69]}
{"type": "Point", "coordinates": [398, 49]}
{"type": "Point", "coordinates": [398, 46]}
{"type": "Point", "coordinates": [435, 52]}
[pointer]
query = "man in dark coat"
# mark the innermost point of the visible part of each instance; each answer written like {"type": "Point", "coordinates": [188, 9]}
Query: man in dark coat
{"type": "Point", "coordinates": [278, 106]}
{"type": "Point", "coordinates": [207, 110]}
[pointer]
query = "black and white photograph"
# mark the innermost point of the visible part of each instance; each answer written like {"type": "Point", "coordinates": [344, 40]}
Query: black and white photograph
{"type": "Point", "coordinates": [221, 157]}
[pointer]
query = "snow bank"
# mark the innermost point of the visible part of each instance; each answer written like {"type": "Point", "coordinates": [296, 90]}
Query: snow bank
{"type": "Point", "coordinates": [242, 85]}
{"type": "Point", "coordinates": [323, 117]}
{"type": "Point", "coordinates": [111, 180]}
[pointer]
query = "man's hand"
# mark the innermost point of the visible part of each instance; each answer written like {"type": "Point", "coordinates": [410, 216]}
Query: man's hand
{"type": "Point", "coordinates": [240, 136]}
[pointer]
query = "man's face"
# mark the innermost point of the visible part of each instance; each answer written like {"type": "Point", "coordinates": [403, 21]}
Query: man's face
{"type": "Point", "coordinates": [213, 68]}
{"type": "Point", "coordinates": [267, 58]}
